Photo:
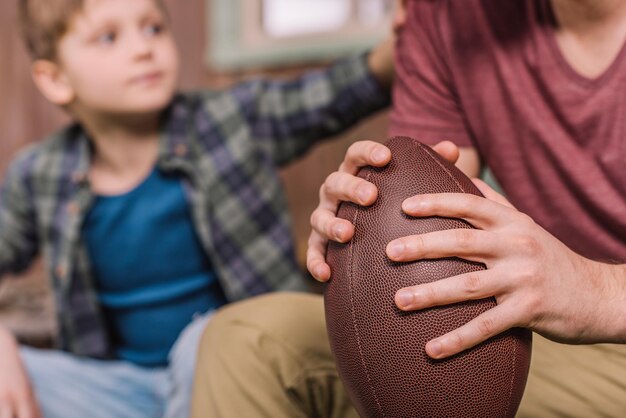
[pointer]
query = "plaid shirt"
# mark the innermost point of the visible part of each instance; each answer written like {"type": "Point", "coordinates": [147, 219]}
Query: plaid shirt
{"type": "Point", "coordinates": [226, 147]}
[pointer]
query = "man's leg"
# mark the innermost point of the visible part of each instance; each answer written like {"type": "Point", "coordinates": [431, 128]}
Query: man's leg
{"type": "Point", "coordinates": [268, 357]}
{"type": "Point", "coordinates": [67, 386]}
{"type": "Point", "coordinates": [575, 381]}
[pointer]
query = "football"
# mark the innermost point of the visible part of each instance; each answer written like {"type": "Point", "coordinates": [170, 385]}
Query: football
{"type": "Point", "coordinates": [379, 349]}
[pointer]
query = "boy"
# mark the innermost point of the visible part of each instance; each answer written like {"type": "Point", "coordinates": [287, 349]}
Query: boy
{"type": "Point", "coordinates": [154, 208]}
{"type": "Point", "coordinates": [535, 89]}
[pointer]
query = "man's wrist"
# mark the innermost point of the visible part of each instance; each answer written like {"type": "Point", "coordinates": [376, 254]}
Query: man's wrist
{"type": "Point", "coordinates": [615, 320]}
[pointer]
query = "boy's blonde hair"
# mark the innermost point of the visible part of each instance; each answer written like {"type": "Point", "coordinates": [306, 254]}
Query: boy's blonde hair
{"type": "Point", "coordinates": [44, 22]}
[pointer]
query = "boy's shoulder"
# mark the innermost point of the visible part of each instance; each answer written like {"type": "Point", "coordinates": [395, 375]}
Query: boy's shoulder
{"type": "Point", "coordinates": [53, 156]}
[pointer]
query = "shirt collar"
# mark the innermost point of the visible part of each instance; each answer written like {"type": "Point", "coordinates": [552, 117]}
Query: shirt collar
{"type": "Point", "coordinates": [173, 142]}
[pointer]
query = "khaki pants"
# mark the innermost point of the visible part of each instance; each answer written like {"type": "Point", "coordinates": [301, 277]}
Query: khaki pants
{"type": "Point", "coordinates": [269, 357]}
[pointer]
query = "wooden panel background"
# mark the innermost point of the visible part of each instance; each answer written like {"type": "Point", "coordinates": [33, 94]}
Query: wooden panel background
{"type": "Point", "coordinates": [26, 117]}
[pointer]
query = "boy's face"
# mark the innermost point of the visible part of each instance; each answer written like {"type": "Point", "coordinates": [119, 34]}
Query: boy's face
{"type": "Point", "coordinates": [119, 57]}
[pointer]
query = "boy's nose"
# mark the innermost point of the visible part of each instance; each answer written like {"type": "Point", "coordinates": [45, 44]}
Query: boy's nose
{"type": "Point", "coordinates": [142, 47]}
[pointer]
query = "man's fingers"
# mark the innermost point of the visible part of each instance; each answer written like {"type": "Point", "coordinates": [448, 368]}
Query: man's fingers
{"type": "Point", "coordinates": [486, 325]}
{"type": "Point", "coordinates": [467, 286]}
{"type": "Point", "coordinates": [365, 153]}
{"type": "Point", "coordinates": [470, 244]}
{"type": "Point", "coordinates": [346, 187]}
{"type": "Point", "coordinates": [447, 150]}
{"type": "Point", "coordinates": [491, 194]}
{"type": "Point", "coordinates": [316, 257]}
{"type": "Point", "coordinates": [325, 223]}
{"type": "Point", "coordinates": [480, 212]}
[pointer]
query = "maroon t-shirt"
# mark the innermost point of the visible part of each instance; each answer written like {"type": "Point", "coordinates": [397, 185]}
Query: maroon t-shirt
{"type": "Point", "coordinates": [489, 74]}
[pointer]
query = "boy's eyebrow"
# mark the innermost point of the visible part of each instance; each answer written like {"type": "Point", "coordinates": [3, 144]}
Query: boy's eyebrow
{"type": "Point", "coordinates": [92, 26]}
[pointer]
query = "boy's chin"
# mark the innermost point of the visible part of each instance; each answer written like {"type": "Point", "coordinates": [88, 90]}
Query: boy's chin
{"type": "Point", "coordinates": [148, 107]}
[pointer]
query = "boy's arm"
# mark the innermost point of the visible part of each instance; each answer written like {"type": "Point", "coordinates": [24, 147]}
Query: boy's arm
{"type": "Point", "coordinates": [18, 238]}
{"type": "Point", "coordinates": [380, 62]}
{"type": "Point", "coordinates": [289, 116]}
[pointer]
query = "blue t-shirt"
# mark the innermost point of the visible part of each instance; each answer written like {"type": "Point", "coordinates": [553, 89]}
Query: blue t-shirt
{"type": "Point", "coordinates": [151, 272]}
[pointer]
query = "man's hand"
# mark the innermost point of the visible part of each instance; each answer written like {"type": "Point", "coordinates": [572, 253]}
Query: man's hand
{"type": "Point", "coordinates": [537, 281]}
{"type": "Point", "coordinates": [17, 399]}
{"type": "Point", "coordinates": [344, 185]}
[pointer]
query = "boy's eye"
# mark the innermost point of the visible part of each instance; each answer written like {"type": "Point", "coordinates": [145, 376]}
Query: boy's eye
{"type": "Point", "coordinates": [106, 38]}
{"type": "Point", "coordinates": [154, 29]}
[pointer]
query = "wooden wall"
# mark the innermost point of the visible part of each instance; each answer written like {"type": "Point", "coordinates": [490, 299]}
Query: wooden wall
{"type": "Point", "coordinates": [25, 116]}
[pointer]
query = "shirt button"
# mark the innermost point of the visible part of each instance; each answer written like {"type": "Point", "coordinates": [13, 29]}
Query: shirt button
{"type": "Point", "coordinates": [180, 150]}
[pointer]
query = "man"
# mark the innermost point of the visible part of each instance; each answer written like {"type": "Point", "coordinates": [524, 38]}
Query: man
{"type": "Point", "coordinates": [534, 89]}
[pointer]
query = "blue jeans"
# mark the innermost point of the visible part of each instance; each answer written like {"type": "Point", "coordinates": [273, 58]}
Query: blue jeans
{"type": "Point", "coordinates": [67, 386]}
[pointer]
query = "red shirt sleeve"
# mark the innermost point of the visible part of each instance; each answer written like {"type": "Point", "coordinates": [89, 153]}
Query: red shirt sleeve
{"type": "Point", "coordinates": [425, 103]}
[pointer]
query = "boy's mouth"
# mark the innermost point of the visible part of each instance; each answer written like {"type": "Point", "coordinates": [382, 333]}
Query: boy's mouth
{"type": "Point", "coordinates": [147, 78]}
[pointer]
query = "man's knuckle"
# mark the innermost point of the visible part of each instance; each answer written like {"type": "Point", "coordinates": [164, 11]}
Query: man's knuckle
{"type": "Point", "coordinates": [467, 205]}
{"type": "Point", "coordinates": [416, 244]}
{"type": "Point", "coordinates": [526, 219]}
{"type": "Point", "coordinates": [314, 219]}
{"type": "Point", "coordinates": [457, 341]}
{"type": "Point", "coordinates": [464, 238]}
{"type": "Point", "coordinates": [472, 282]}
{"type": "Point", "coordinates": [331, 182]}
{"type": "Point", "coordinates": [528, 245]}
{"type": "Point", "coordinates": [486, 327]}
{"type": "Point", "coordinates": [430, 295]}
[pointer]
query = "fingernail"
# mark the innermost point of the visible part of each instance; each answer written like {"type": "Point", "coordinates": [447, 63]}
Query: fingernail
{"type": "Point", "coordinates": [396, 249]}
{"type": "Point", "coordinates": [405, 298]}
{"type": "Point", "coordinates": [363, 192]}
{"type": "Point", "coordinates": [338, 231]}
{"type": "Point", "coordinates": [379, 155]}
{"type": "Point", "coordinates": [435, 349]}
{"type": "Point", "coordinates": [411, 205]}
{"type": "Point", "coordinates": [319, 271]}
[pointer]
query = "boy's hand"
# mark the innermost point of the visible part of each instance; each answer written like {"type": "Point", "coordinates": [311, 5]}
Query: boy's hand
{"type": "Point", "coordinates": [380, 62]}
{"type": "Point", "coordinates": [381, 58]}
{"type": "Point", "coordinates": [344, 185]}
{"type": "Point", "coordinates": [17, 399]}
{"type": "Point", "coordinates": [399, 17]}
{"type": "Point", "coordinates": [537, 281]}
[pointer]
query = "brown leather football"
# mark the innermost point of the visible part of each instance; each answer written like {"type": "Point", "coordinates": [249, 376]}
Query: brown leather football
{"type": "Point", "coordinates": [378, 348]}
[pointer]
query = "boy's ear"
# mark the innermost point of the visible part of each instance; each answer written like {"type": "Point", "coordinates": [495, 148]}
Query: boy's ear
{"type": "Point", "coordinates": [52, 82]}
